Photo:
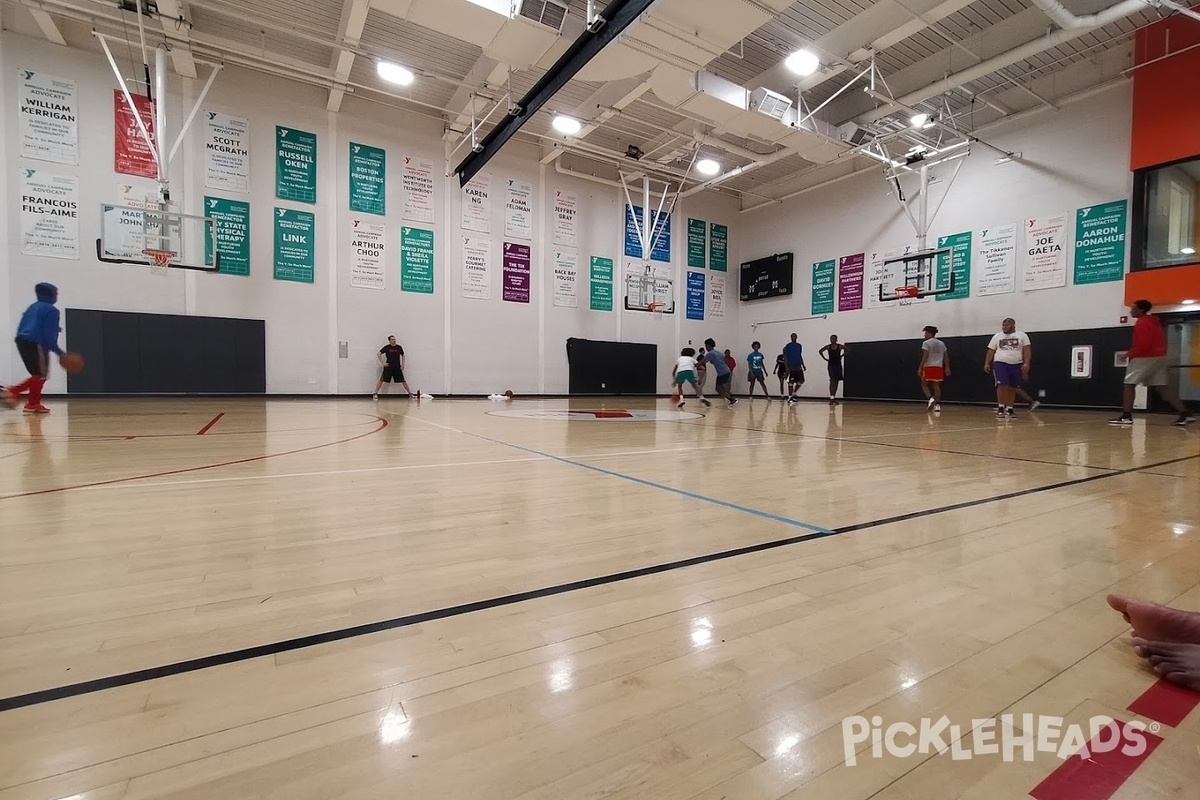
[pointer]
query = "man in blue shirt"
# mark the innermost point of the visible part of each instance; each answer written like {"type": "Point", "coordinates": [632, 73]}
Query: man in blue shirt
{"type": "Point", "coordinates": [758, 370]}
{"type": "Point", "coordinates": [37, 336]}
{"type": "Point", "coordinates": [793, 355]}
{"type": "Point", "coordinates": [724, 373]}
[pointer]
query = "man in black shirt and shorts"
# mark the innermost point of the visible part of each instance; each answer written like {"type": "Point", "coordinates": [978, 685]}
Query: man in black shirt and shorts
{"type": "Point", "coordinates": [391, 358]}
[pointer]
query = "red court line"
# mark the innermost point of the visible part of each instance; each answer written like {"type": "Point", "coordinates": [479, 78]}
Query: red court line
{"type": "Point", "coordinates": [1166, 703]}
{"type": "Point", "coordinates": [383, 423]}
{"type": "Point", "coordinates": [1099, 775]}
{"type": "Point", "coordinates": [212, 422]}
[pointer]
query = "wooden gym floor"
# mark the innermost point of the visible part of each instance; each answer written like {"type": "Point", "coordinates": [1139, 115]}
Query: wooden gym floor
{"type": "Point", "coordinates": [310, 599]}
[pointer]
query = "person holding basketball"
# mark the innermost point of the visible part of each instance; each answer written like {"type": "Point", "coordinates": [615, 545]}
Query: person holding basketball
{"type": "Point", "coordinates": [37, 336]}
{"type": "Point", "coordinates": [935, 367]}
{"type": "Point", "coordinates": [391, 358]}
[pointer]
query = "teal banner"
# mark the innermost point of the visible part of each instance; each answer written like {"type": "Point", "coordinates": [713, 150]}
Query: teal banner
{"type": "Point", "coordinates": [368, 192]}
{"type": "Point", "coordinates": [295, 245]}
{"type": "Point", "coordinates": [602, 284]}
{"type": "Point", "coordinates": [416, 260]}
{"type": "Point", "coordinates": [718, 248]}
{"type": "Point", "coordinates": [824, 289]}
{"type": "Point", "coordinates": [232, 235]}
{"type": "Point", "coordinates": [959, 261]}
{"type": "Point", "coordinates": [697, 243]}
{"type": "Point", "coordinates": [1100, 242]}
{"type": "Point", "coordinates": [295, 165]}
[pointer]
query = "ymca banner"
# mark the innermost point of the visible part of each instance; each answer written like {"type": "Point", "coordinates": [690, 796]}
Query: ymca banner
{"type": "Point", "coordinates": [477, 268]}
{"type": "Point", "coordinates": [133, 155]}
{"type": "Point", "coordinates": [998, 260]}
{"type": "Point", "coordinates": [1045, 253]}
{"type": "Point", "coordinates": [226, 152]}
{"type": "Point", "coordinates": [49, 214]}
{"type": "Point", "coordinates": [566, 280]}
{"type": "Point", "coordinates": [366, 240]}
{"type": "Point", "coordinates": [477, 204]}
{"type": "Point", "coordinates": [566, 219]}
{"type": "Point", "coordinates": [49, 114]}
{"type": "Point", "coordinates": [418, 190]}
{"type": "Point", "coordinates": [518, 210]}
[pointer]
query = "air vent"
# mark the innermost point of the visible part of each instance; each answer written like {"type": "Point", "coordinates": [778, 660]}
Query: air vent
{"type": "Point", "coordinates": [773, 104]}
{"type": "Point", "coordinates": [546, 13]}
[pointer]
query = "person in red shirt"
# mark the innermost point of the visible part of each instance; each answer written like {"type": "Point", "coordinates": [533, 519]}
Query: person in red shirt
{"type": "Point", "coordinates": [1147, 365]}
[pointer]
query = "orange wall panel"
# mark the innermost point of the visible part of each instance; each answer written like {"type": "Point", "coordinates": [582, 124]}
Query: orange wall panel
{"type": "Point", "coordinates": [1168, 286]}
{"type": "Point", "coordinates": [1166, 93]}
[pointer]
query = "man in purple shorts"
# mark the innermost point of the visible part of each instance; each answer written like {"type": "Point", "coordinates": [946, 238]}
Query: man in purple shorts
{"type": "Point", "coordinates": [1009, 357]}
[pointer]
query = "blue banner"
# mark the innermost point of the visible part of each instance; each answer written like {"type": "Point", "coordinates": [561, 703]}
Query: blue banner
{"type": "Point", "coordinates": [659, 235]}
{"type": "Point", "coordinates": [695, 295]}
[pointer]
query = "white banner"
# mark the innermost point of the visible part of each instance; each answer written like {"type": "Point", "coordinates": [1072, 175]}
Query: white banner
{"type": "Point", "coordinates": [418, 190]}
{"type": "Point", "coordinates": [367, 270]}
{"type": "Point", "coordinates": [997, 260]}
{"type": "Point", "coordinates": [566, 219]}
{"type": "Point", "coordinates": [566, 280]}
{"type": "Point", "coordinates": [49, 214]}
{"type": "Point", "coordinates": [1045, 253]}
{"type": "Point", "coordinates": [477, 268]}
{"type": "Point", "coordinates": [518, 210]}
{"type": "Point", "coordinates": [226, 152]}
{"type": "Point", "coordinates": [124, 231]}
{"type": "Point", "coordinates": [716, 295]}
{"type": "Point", "coordinates": [477, 204]}
{"type": "Point", "coordinates": [49, 118]}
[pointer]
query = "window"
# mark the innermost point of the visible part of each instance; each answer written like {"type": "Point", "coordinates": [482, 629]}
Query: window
{"type": "Point", "coordinates": [1170, 215]}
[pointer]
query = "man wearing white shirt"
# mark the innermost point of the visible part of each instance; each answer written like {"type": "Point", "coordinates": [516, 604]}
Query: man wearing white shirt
{"type": "Point", "coordinates": [1009, 357]}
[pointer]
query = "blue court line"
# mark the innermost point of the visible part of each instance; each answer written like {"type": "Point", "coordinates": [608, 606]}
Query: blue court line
{"type": "Point", "coordinates": [642, 481]}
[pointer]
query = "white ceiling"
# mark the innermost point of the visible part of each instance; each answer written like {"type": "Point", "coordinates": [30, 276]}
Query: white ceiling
{"type": "Point", "coordinates": [334, 44]}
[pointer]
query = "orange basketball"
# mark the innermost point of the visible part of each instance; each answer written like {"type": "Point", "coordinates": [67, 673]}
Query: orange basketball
{"type": "Point", "coordinates": [71, 362]}
{"type": "Point", "coordinates": [508, 393]}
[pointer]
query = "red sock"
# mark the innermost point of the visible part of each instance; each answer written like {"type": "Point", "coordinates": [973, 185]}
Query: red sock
{"type": "Point", "coordinates": [22, 387]}
{"type": "Point", "coordinates": [35, 390]}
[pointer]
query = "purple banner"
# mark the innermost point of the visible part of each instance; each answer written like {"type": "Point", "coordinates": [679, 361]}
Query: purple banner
{"type": "Point", "coordinates": [516, 273]}
{"type": "Point", "coordinates": [850, 282]}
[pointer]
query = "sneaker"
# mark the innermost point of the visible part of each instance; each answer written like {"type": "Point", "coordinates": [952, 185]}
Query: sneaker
{"type": "Point", "coordinates": [1035, 405]}
{"type": "Point", "coordinates": [937, 408]}
{"type": "Point", "coordinates": [374, 397]}
{"type": "Point", "coordinates": [1124, 419]}
{"type": "Point", "coordinates": [679, 404]}
{"type": "Point", "coordinates": [1010, 413]}
{"type": "Point", "coordinates": [30, 408]}
{"type": "Point", "coordinates": [930, 404]}
{"type": "Point", "coordinates": [999, 413]}
{"type": "Point", "coordinates": [1186, 418]}
{"type": "Point", "coordinates": [733, 402]}
{"type": "Point", "coordinates": [705, 402]}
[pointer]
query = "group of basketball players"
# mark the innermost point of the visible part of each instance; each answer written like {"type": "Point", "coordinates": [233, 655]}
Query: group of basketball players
{"type": "Point", "coordinates": [1008, 361]}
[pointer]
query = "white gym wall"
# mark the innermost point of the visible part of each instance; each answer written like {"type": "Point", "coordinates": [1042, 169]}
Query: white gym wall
{"type": "Point", "coordinates": [481, 346]}
{"type": "Point", "coordinates": [1071, 158]}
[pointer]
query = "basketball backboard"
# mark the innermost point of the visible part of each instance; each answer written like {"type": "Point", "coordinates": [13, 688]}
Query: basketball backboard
{"type": "Point", "coordinates": [649, 293]}
{"type": "Point", "coordinates": [150, 237]}
{"type": "Point", "coordinates": [912, 276]}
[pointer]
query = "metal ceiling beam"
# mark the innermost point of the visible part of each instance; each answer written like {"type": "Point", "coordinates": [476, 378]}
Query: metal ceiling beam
{"type": "Point", "coordinates": [48, 26]}
{"type": "Point", "coordinates": [618, 16]}
{"type": "Point", "coordinates": [350, 29]}
{"type": "Point", "coordinates": [468, 100]}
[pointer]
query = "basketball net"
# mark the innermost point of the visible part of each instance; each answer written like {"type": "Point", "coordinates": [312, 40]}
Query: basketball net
{"type": "Point", "coordinates": [159, 260]}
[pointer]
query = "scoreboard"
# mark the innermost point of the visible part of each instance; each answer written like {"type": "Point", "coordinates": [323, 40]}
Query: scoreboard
{"type": "Point", "coordinates": [767, 277]}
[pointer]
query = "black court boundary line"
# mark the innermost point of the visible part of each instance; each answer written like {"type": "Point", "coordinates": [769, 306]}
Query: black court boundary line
{"type": "Point", "coordinates": [275, 648]}
{"type": "Point", "coordinates": [896, 446]}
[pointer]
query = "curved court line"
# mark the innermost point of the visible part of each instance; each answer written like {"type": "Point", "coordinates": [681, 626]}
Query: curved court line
{"type": "Point", "coordinates": [312, 640]}
{"type": "Point", "coordinates": [383, 423]}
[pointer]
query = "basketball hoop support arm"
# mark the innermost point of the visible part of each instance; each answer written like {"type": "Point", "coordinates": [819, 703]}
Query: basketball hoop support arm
{"type": "Point", "coordinates": [162, 156]}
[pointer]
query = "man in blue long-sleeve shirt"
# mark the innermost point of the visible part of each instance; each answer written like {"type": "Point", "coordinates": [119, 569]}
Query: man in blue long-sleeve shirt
{"type": "Point", "coordinates": [37, 337]}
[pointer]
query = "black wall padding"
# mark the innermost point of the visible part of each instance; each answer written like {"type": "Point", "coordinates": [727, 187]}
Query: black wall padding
{"type": "Point", "coordinates": [888, 370]}
{"type": "Point", "coordinates": [130, 353]}
{"type": "Point", "coordinates": [612, 367]}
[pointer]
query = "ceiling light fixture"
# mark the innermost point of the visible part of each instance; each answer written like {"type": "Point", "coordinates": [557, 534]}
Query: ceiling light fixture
{"type": "Point", "coordinates": [706, 166]}
{"type": "Point", "coordinates": [803, 62]}
{"type": "Point", "coordinates": [566, 125]}
{"type": "Point", "coordinates": [394, 73]}
{"type": "Point", "coordinates": [919, 120]}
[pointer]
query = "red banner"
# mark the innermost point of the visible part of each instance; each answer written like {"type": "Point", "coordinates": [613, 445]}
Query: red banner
{"type": "Point", "coordinates": [133, 155]}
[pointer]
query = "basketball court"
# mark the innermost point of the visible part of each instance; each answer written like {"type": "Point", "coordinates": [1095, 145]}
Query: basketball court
{"type": "Point", "coordinates": [549, 598]}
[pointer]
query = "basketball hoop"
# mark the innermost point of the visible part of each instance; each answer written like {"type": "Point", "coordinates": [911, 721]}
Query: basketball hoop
{"type": "Point", "coordinates": [905, 292]}
{"type": "Point", "coordinates": [159, 259]}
